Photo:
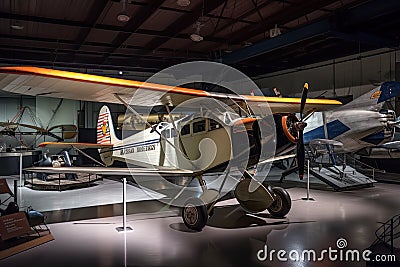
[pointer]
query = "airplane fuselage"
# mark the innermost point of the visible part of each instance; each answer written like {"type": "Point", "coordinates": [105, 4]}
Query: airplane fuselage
{"type": "Point", "coordinates": [354, 128]}
{"type": "Point", "coordinates": [204, 144]}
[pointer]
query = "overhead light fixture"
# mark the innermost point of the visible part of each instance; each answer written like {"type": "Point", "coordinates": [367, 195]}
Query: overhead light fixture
{"type": "Point", "coordinates": [17, 26]}
{"type": "Point", "coordinates": [123, 16]}
{"type": "Point", "coordinates": [196, 37]}
{"type": "Point", "coordinates": [275, 31]}
{"type": "Point", "coordinates": [183, 3]}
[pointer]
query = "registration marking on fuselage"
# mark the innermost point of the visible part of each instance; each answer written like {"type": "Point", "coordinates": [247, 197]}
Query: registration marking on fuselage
{"type": "Point", "coordinates": [138, 147]}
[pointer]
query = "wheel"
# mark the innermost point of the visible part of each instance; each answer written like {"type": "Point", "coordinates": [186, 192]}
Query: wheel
{"type": "Point", "coordinates": [282, 204]}
{"type": "Point", "coordinates": [194, 214]}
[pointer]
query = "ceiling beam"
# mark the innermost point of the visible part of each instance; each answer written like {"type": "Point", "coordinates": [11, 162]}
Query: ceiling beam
{"type": "Point", "coordinates": [133, 52]}
{"type": "Point", "coordinates": [87, 26]}
{"type": "Point", "coordinates": [66, 58]}
{"type": "Point", "coordinates": [134, 24]}
{"type": "Point", "coordinates": [56, 44]}
{"type": "Point", "coordinates": [284, 16]}
{"type": "Point", "coordinates": [340, 24]}
{"type": "Point", "coordinates": [95, 12]}
{"type": "Point", "coordinates": [184, 21]}
{"type": "Point", "coordinates": [278, 42]}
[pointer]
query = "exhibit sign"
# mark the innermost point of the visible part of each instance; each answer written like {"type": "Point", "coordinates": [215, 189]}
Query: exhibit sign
{"type": "Point", "coordinates": [4, 189]}
{"type": "Point", "coordinates": [14, 225]}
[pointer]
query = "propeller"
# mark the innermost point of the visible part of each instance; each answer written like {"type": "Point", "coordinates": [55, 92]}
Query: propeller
{"type": "Point", "coordinates": [300, 128]}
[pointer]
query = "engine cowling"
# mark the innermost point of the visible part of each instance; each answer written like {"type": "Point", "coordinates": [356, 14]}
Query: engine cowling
{"type": "Point", "coordinates": [288, 123]}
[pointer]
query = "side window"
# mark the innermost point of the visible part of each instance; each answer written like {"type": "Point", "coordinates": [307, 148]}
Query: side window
{"type": "Point", "coordinates": [185, 129]}
{"type": "Point", "coordinates": [214, 125]}
{"type": "Point", "coordinates": [165, 133]}
{"type": "Point", "coordinates": [173, 133]}
{"type": "Point", "coordinates": [199, 126]}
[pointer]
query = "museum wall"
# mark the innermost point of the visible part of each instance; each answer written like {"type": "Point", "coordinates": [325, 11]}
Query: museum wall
{"type": "Point", "coordinates": [352, 75]}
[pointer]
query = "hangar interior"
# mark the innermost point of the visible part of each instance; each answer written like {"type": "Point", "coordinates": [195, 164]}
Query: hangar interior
{"type": "Point", "coordinates": [342, 49]}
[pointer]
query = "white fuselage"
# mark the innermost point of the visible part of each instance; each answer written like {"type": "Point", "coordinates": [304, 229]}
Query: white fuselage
{"type": "Point", "coordinates": [206, 143]}
{"type": "Point", "coordinates": [354, 128]}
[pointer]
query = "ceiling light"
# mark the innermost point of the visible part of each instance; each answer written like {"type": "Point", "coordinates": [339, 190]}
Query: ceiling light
{"type": "Point", "coordinates": [123, 16]}
{"type": "Point", "coordinates": [275, 31]}
{"type": "Point", "coordinates": [17, 26]}
{"type": "Point", "coordinates": [196, 37]}
{"type": "Point", "coordinates": [183, 3]}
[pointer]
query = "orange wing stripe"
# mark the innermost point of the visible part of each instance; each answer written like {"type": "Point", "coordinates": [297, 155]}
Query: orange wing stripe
{"type": "Point", "coordinates": [100, 79]}
{"type": "Point", "coordinates": [44, 144]}
{"type": "Point", "coordinates": [151, 86]}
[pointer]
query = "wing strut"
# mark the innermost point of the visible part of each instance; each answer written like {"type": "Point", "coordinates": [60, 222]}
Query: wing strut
{"type": "Point", "coordinates": [176, 130]}
{"type": "Point", "coordinates": [88, 156]}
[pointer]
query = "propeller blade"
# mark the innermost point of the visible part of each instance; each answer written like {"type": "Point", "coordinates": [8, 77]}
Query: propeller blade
{"type": "Point", "coordinates": [300, 155]}
{"type": "Point", "coordinates": [303, 100]}
{"type": "Point", "coordinates": [300, 143]}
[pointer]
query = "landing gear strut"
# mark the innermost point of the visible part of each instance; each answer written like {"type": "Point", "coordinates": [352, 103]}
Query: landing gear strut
{"type": "Point", "coordinates": [252, 196]}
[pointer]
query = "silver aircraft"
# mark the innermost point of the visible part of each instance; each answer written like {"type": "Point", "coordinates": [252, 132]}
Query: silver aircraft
{"type": "Point", "coordinates": [364, 122]}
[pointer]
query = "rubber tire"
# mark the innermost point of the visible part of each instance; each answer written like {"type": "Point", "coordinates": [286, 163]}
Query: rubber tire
{"type": "Point", "coordinates": [282, 204]}
{"type": "Point", "coordinates": [194, 214]}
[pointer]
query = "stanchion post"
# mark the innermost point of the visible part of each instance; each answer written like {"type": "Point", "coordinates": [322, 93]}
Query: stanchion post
{"type": "Point", "coordinates": [16, 191]}
{"type": "Point", "coordinates": [308, 179]}
{"type": "Point", "coordinates": [308, 183]}
{"type": "Point", "coordinates": [20, 169]}
{"type": "Point", "coordinates": [20, 182]}
{"type": "Point", "coordinates": [124, 228]}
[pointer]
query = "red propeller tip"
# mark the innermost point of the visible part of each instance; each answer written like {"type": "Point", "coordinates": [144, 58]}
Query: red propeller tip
{"type": "Point", "coordinates": [301, 176]}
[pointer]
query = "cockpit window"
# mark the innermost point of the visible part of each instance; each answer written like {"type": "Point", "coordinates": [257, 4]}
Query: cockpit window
{"type": "Point", "coordinates": [166, 133]}
{"type": "Point", "coordinates": [214, 125]}
{"type": "Point", "coordinates": [199, 126]}
{"type": "Point", "coordinates": [185, 129]}
{"type": "Point", "coordinates": [173, 133]}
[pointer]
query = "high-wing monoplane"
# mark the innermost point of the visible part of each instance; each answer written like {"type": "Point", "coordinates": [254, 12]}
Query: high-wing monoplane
{"type": "Point", "coordinates": [225, 133]}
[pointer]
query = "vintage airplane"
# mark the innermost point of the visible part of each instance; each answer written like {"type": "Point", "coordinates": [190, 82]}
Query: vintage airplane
{"type": "Point", "coordinates": [359, 124]}
{"type": "Point", "coordinates": [223, 134]}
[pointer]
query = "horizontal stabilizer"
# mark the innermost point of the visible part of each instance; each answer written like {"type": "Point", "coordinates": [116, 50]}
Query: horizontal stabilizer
{"type": "Point", "coordinates": [73, 145]}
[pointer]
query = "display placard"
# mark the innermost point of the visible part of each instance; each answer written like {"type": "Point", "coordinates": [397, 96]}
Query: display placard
{"type": "Point", "coordinates": [4, 189]}
{"type": "Point", "coordinates": [14, 225]}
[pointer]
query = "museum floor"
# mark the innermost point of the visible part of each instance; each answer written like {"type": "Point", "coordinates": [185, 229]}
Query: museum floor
{"type": "Point", "coordinates": [231, 237]}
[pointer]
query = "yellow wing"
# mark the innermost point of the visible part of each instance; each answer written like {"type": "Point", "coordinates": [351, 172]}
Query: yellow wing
{"type": "Point", "coordinates": [73, 145]}
{"type": "Point", "coordinates": [79, 86]}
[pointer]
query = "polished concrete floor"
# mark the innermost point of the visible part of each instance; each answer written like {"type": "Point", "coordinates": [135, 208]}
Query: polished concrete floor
{"type": "Point", "coordinates": [102, 192]}
{"type": "Point", "coordinates": [231, 237]}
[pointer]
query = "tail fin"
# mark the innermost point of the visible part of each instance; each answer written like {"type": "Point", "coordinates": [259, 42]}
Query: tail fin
{"type": "Point", "coordinates": [375, 99]}
{"type": "Point", "coordinates": [105, 127]}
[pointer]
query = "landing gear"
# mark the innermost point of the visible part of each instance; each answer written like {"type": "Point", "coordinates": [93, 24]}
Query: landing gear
{"type": "Point", "coordinates": [282, 203]}
{"type": "Point", "coordinates": [194, 214]}
{"type": "Point", "coordinates": [254, 197]}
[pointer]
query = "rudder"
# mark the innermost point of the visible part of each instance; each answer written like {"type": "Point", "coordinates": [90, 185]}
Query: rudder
{"type": "Point", "coordinates": [105, 127]}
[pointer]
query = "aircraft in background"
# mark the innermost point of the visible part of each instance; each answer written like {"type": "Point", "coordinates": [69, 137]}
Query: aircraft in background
{"type": "Point", "coordinates": [17, 130]}
{"type": "Point", "coordinates": [200, 143]}
{"type": "Point", "coordinates": [359, 124]}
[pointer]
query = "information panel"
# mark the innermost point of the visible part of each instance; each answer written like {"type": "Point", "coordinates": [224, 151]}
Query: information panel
{"type": "Point", "coordinates": [14, 225]}
{"type": "Point", "coordinates": [4, 189]}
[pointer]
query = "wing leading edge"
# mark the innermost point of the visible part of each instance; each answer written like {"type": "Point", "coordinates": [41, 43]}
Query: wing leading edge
{"type": "Point", "coordinates": [79, 86]}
